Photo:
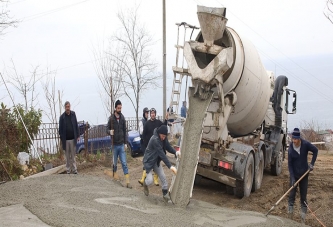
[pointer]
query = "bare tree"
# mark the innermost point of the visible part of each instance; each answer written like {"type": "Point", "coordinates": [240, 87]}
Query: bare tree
{"type": "Point", "coordinates": [53, 99]}
{"type": "Point", "coordinates": [329, 11]}
{"type": "Point", "coordinates": [109, 75]}
{"type": "Point", "coordinates": [5, 20]}
{"type": "Point", "coordinates": [25, 85]}
{"type": "Point", "coordinates": [134, 57]}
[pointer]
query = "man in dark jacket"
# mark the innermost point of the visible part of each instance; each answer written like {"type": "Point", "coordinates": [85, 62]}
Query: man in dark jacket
{"type": "Point", "coordinates": [117, 130]}
{"type": "Point", "coordinates": [298, 165]}
{"type": "Point", "coordinates": [155, 153]}
{"type": "Point", "coordinates": [148, 130]}
{"type": "Point", "coordinates": [143, 147]}
{"type": "Point", "coordinates": [69, 134]}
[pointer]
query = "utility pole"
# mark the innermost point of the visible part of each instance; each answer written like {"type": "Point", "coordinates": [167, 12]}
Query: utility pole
{"type": "Point", "coordinates": [164, 62]}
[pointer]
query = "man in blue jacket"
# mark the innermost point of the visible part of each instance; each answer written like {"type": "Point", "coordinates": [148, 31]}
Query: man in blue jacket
{"type": "Point", "coordinates": [298, 165]}
{"type": "Point", "coordinates": [69, 134]}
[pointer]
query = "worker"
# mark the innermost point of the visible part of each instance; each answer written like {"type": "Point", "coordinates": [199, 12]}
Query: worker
{"type": "Point", "coordinates": [142, 124]}
{"type": "Point", "coordinates": [155, 153]}
{"type": "Point", "coordinates": [117, 129]}
{"type": "Point", "coordinates": [69, 135]}
{"type": "Point", "coordinates": [143, 147]}
{"type": "Point", "coordinates": [183, 110]}
{"type": "Point", "coordinates": [298, 165]}
{"type": "Point", "coordinates": [148, 131]}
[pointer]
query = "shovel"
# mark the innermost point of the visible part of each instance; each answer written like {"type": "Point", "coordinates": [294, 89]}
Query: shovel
{"type": "Point", "coordinates": [277, 203]}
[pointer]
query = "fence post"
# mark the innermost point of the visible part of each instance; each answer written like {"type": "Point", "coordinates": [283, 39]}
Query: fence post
{"type": "Point", "coordinates": [85, 139]}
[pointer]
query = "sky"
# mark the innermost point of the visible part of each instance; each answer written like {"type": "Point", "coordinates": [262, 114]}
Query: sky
{"type": "Point", "coordinates": [293, 38]}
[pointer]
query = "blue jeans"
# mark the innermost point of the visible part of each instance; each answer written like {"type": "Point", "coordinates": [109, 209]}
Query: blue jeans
{"type": "Point", "coordinates": [119, 150]}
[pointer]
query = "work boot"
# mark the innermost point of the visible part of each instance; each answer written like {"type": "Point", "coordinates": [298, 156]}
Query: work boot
{"type": "Point", "coordinates": [144, 174]}
{"type": "Point", "coordinates": [115, 176]}
{"type": "Point", "coordinates": [166, 196]}
{"type": "Point", "coordinates": [156, 180]}
{"type": "Point", "coordinates": [303, 214]}
{"type": "Point", "coordinates": [128, 184]}
{"type": "Point", "coordinates": [290, 212]}
{"type": "Point", "coordinates": [145, 188]}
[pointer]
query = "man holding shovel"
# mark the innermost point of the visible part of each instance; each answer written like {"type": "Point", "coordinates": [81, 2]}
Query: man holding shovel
{"type": "Point", "coordinates": [298, 166]}
{"type": "Point", "coordinates": [155, 153]}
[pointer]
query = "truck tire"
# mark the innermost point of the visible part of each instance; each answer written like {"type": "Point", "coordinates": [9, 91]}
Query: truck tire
{"type": "Point", "coordinates": [259, 172]}
{"type": "Point", "coordinates": [243, 188]}
{"type": "Point", "coordinates": [229, 189]}
{"type": "Point", "coordinates": [276, 168]}
{"type": "Point", "coordinates": [197, 179]}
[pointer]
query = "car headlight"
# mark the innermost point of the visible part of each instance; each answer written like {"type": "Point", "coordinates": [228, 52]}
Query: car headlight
{"type": "Point", "coordinates": [136, 139]}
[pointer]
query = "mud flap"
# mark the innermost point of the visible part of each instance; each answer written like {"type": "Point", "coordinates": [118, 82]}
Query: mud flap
{"type": "Point", "coordinates": [181, 187]}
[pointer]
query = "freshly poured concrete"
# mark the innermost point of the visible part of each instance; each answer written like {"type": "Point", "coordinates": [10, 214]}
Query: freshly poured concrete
{"type": "Point", "coordinates": [82, 200]}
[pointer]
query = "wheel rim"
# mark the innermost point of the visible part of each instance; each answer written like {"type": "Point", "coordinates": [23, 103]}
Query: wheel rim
{"type": "Point", "coordinates": [249, 178]}
{"type": "Point", "coordinates": [261, 168]}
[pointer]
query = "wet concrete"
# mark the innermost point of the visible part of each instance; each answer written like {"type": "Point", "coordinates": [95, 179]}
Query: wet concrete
{"type": "Point", "coordinates": [83, 200]}
{"type": "Point", "coordinates": [190, 147]}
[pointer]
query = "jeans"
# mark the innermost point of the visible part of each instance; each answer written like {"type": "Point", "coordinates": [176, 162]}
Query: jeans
{"type": "Point", "coordinates": [303, 188]}
{"type": "Point", "coordinates": [160, 172]}
{"type": "Point", "coordinates": [119, 150]}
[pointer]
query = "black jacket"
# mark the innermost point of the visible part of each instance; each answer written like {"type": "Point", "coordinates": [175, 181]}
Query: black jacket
{"type": "Point", "coordinates": [62, 128]}
{"type": "Point", "coordinates": [148, 130]}
{"type": "Point", "coordinates": [298, 163]}
{"type": "Point", "coordinates": [120, 133]}
{"type": "Point", "coordinates": [155, 152]}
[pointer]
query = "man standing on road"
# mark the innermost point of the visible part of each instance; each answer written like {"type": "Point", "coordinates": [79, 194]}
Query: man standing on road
{"type": "Point", "coordinates": [117, 130]}
{"type": "Point", "coordinates": [155, 153]}
{"type": "Point", "coordinates": [183, 110]}
{"type": "Point", "coordinates": [143, 147]}
{"type": "Point", "coordinates": [69, 134]}
{"type": "Point", "coordinates": [298, 165]}
{"type": "Point", "coordinates": [148, 131]}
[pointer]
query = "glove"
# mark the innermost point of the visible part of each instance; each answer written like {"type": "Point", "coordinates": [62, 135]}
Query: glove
{"type": "Point", "coordinates": [310, 167]}
{"type": "Point", "coordinates": [178, 154]}
{"type": "Point", "coordinates": [174, 170]}
{"type": "Point", "coordinates": [292, 181]}
{"type": "Point", "coordinates": [125, 146]}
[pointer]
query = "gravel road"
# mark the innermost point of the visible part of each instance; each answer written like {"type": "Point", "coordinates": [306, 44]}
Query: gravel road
{"type": "Point", "coordinates": [85, 200]}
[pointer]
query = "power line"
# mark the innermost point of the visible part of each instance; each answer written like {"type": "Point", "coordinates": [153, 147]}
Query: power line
{"type": "Point", "coordinates": [297, 78]}
{"type": "Point", "coordinates": [308, 85]}
{"type": "Point", "coordinates": [45, 13]}
{"type": "Point", "coordinates": [13, 3]}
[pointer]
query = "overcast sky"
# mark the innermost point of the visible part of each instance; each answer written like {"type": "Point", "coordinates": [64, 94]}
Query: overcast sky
{"type": "Point", "coordinates": [293, 39]}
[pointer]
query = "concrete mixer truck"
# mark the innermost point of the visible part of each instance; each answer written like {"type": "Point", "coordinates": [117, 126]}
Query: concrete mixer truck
{"type": "Point", "coordinates": [237, 116]}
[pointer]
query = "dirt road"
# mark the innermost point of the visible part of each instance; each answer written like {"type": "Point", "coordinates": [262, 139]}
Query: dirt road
{"type": "Point", "coordinates": [320, 191]}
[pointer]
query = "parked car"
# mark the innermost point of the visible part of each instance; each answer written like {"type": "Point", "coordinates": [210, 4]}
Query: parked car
{"type": "Point", "coordinates": [99, 140]}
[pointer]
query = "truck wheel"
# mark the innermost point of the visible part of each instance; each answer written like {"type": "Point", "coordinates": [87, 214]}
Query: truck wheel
{"type": "Point", "coordinates": [258, 173]}
{"type": "Point", "coordinates": [229, 189]}
{"type": "Point", "coordinates": [276, 168]}
{"type": "Point", "coordinates": [243, 188]}
{"type": "Point", "coordinates": [130, 150]}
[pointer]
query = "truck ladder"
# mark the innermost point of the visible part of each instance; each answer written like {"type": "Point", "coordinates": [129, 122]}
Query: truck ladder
{"type": "Point", "coordinates": [179, 72]}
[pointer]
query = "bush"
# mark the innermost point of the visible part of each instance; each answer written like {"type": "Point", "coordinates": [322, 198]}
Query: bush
{"type": "Point", "coordinates": [14, 138]}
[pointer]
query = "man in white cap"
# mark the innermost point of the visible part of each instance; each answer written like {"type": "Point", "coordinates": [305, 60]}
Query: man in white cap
{"type": "Point", "coordinates": [298, 165]}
